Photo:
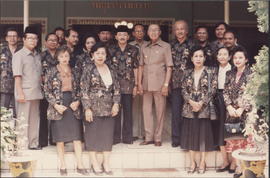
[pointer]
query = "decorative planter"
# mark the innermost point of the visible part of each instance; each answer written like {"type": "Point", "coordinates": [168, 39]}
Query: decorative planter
{"type": "Point", "coordinates": [252, 164]}
{"type": "Point", "coordinates": [22, 166]}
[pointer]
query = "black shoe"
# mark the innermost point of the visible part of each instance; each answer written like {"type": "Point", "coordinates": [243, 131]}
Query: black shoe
{"type": "Point", "coordinates": [36, 148]}
{"type": "Point", "coordinates": [147, 142]}
{"type": "Point", "coordinates": [175, 145]}
{"type": "Point", "coordinates": [63, 172]}
{"type": "Point", "coordinates": [116, 142]}
{"type": "Point", "coordinates": [231, 170]}
{"type": "Point", "coordinates": [97, 173]}
{"type": "Point", "coordinates": [135, 138]}
{"type": "Point", "coordinates": [128, 142]}
{"type": "Point", "coordinates": [192, 170]}
{"type": "Point", "coordinates": [237, 175]}
{"type": "Point", "coordinates": [82, 171]}
{"type": "Point", "coordinates": [110, 173]}
{"type": "Point", "coordinates": [202, 170]}
{"type": "Point", "coordinates": [223, 169]}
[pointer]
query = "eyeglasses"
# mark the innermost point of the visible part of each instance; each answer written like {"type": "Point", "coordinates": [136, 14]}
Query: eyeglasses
{"type": "Point", "coordinates": [12, 36]}
{"type": "Point", "coordinates": [32, 38]}
{"type": "Point", "coordinates": [138, 31]}
{"type": "Point", "coordinates": [53, 41]}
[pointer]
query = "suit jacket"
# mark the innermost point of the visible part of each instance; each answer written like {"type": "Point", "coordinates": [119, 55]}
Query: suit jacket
{"type": "Point", "coordinates": [54, 95]}
{"type": "Point", "coordinates": [201, 94]}
{"type": "Point", "coordinates": [233, 93]}
{"type": "Point", "coordinates": [95, 95]}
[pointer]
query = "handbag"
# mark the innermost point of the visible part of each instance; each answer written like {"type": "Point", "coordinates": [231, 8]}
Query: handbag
{"type": "Point", "coordinates": [234, 128]}
{"type": "Point", "coordinates": [212, 107]}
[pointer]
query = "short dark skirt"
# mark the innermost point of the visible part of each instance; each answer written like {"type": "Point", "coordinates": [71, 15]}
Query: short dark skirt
{"type": "Point", "coordinates": [68, 128]}
{"type": "Point", "coordinates": [98, 135]}
{"type": "Point", "coordinates": [218, 125]}
{"type": "Point", "coordinates": [197, 135]}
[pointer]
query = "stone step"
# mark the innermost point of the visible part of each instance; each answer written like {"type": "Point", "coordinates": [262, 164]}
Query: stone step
{"type": "Point", "coordinates": [127, 156]}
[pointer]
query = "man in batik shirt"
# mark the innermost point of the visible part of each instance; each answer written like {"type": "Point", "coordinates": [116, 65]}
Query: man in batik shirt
{"type": "Point", "coordinates": [180, 47]}
{"type": "Point", "coordinates": [7, 81]}
{"type": "Point", "coordinates": [47, 61]}
{"type": "Point", "coordinates": [124, 59]}
{"type": "Point", "coordinates": [201, 35]}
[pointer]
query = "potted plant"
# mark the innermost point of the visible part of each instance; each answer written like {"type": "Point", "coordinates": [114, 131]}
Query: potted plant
{"type": "Point", "coordinates": [20, 163]}
{"type": "Point", "coordinates": [253, 158]}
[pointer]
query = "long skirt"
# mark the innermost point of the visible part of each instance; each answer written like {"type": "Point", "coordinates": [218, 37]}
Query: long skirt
{"type": "Point", "coordinates": [68, 128]}
{"type": "Point", "coordinates": [218, 125]}
{"type": "Point", "coordinates": [197, 135]}
{"type": "Point", "coordinates": [98, 134]}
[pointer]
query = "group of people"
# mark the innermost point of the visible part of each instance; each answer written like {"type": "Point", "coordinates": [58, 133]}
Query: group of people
{"type": "Point", "coordinates": [85, 91]}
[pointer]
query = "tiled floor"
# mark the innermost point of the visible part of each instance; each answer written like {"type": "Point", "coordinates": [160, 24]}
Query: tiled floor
{"type": "Point", "coordinates": [156, 172]}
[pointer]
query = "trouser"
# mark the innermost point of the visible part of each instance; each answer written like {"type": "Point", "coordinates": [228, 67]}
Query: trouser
{"type": "Point", "coordinates": [126, 130]}
{"type": "Point", "coordinates": [44, 124]}
{"type": "Point", "coordinates": [28, 114]}
{"type": "Point", "coordinates": [177, 104]}
{"type": "Point", "coordinates": [137, 116]}
{"type": "Point", "coordinates": [160, 106]}
{"type": "Point", "coordinates": [8, 101]}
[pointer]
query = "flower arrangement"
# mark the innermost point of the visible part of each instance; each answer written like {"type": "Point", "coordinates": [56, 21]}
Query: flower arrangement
{"type": "Point", "coordinates": [258, 87]}
{"type": "Point", "coordinates": [9, 145]}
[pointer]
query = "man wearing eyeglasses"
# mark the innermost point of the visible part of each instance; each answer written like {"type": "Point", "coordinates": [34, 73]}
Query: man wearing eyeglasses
{"type": "Point", "coordinates": [6, 76]}
{"type": "Point", "coordinates": [26, 67]}
{"type": "Point", "coordinates": [47, 61]}
{"type": "Point", "coordinates": [138, 132]}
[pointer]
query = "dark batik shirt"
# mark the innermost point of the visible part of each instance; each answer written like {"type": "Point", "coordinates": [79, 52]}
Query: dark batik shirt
{"type": "Point", "coordinates": [7, 79]}
{"type": "Point", "coordinates": [82, 60]}
{"type": "Point", "coordinates": [124, 62]}
{"type": "Point", "coordinates": [54, 95]}
{"type": "Point", "coordinates": [215, 45]}
{"type": "Point", "coordinates": [95, 95]}
{"type": "Point", "coordinates": [205, 91]}
{"type": "Point", "coordinates": [47, 61]}
{"type": "Point", "coordinates": [233, 92]}
{"type": "Point", "coordinates": [180, 56]}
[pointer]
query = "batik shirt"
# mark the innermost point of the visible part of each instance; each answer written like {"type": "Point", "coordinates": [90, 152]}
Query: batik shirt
{"type": "Point", "coordinates": [205, 91]}
{"type": "Point", "coordinates": [47, 61]}
{"type": "Point", "coordinates": [124, 62]}
{"type": "Point", "coordinates": [54, 95]}
{"type": "Point", "coordinates": [95, 95]}
{"type": "Point", "coordinates": [7, 79]}
{"type": "Point", "coordinates": [180, 56]}
{"type": "Point", "coordinates": [233, 93]}
{"type": "Point", "coordinates": [82, 60]}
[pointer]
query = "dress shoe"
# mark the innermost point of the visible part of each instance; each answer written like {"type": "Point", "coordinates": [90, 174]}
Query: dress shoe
{"type": "Point", "coordinates": [128, 142]}
{"type": "Point", "coordinates": [192, 170]}
{"type": "Point", "coordinates": [231, 170]}
{"type": "Point", "coordinates": [97, 173]}
{"type": "Point", "coordinates": [35, 148]}
{"type": "Point", "coordinates": [63, 172]}
{"type": "Point", "coordinates": [158, 143]}
{"type": "Point", "coordinates": [223, 169]}
{"type": "Point", "coordinates": [82, 171]}
{"type": "Point", "coordinates": [110, 173]}
{"type": "Point", "coordinates": [116, 142]}
{"type": "Point", "coordinates": [237, 175]}
{"type": "Point", "coordinates": [202, 170]}
{"type": "Point", "coordinates": [147, 142]}
{"type": "Point", "coordinates": [175, 145]}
